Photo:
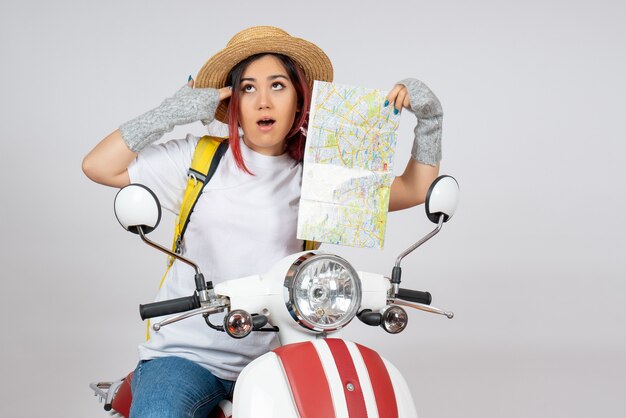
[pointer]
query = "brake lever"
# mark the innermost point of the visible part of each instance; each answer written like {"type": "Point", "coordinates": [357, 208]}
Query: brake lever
{"type": "Point", "coordinates": [218, 305]}
{"type": "Point", "coordinates": [422, 307]}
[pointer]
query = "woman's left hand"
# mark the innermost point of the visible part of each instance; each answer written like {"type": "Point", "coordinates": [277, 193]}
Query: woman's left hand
{"type": "Point", "coordinates": [411, 187]}
{"type": "Point", "coordinates": [399, 98]}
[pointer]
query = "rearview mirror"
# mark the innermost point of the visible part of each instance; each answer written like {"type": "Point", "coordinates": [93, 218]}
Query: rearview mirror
{"type": "Point", "coordinates": [441, 202]}
{"type": "Point", "coordinates": [442, 198]}
{"type": "Point", "coordinates": [137, 206]}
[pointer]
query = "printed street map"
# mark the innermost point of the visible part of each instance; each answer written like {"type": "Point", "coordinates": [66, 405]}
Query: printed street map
{"type": "Point", "coordinates": [348, 166]}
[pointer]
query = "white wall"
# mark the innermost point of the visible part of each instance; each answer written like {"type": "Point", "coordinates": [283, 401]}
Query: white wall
{"type": "Point", "coordinates": [532, 264]}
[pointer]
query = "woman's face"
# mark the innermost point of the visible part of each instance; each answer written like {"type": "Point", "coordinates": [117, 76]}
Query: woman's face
{"type": "Point", "coordinates": [267, 105]}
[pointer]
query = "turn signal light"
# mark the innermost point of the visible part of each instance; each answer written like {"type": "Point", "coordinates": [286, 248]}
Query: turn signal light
{"type": "Point", "coordinates": [238, 323]}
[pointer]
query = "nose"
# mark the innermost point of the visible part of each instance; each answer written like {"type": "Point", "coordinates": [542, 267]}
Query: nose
{"type": "Point", "coordinates": [264, 99]}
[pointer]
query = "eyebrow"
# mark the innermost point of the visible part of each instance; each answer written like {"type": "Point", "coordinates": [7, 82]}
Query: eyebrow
{"type": "Point", "coordinates": [271, 77]}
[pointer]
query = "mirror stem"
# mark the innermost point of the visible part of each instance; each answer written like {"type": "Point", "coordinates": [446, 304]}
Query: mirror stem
{"type": "Point", "coordinates": [420, 242]}
{"type": "Point", "coordinates": [397, 271]}
{"type": "Point", "coordinates": [205, 289]}
{"type": "Point", "coordinates": [166, 251]}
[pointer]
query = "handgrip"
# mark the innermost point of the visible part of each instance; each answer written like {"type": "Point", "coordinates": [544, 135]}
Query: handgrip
{"type": "Point", "coordinates": [414, 296]}
{"type": "Point", "coordinates": [168, 307]}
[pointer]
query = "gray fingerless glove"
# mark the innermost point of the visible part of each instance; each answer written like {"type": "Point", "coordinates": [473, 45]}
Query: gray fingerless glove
{"type": "Point", "coordinates": [186, 106]}
{"type": "Point", "coordinates": [426, 107]}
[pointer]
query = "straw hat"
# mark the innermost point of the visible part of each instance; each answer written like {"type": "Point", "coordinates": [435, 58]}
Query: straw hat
{"type": "Point", "coordinates": [256, 40]}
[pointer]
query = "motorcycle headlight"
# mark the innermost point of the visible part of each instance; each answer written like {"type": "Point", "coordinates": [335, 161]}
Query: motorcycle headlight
{"type": "Point", "coordinates": [322, 292]}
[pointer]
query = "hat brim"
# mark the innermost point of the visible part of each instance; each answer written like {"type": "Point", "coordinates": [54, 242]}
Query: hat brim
{"type": "Point", "coordinates": [313, 61]}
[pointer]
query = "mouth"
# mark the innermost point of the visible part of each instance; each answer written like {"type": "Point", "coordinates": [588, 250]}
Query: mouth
{"type": "Point", "coordinates": [266, 123]}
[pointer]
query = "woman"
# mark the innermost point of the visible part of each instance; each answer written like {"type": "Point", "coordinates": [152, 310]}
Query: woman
{"type": "Point", "coordinates": [245, 219]}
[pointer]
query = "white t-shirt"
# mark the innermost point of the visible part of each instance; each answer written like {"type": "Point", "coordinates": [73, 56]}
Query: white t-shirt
{"type": "Point", "coordinates": [241, 225]}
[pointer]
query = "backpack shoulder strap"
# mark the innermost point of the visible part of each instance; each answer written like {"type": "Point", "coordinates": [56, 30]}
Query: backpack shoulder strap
{"type": "Point", "coordinates": [206, 158]}
{"type": "Point", "coordinates": [311, 245]}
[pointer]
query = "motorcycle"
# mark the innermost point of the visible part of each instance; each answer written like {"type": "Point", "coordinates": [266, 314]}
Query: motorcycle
{"type": "Point", "coordinates": [307, 298]}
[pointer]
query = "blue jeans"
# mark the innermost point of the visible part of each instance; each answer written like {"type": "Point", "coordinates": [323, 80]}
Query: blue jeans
{"type": "Point", "coordinates": [173, 387]}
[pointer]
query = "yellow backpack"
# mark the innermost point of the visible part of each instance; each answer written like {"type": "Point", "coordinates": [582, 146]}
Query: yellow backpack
{"type": "Point", "coordinates": [206, 158]}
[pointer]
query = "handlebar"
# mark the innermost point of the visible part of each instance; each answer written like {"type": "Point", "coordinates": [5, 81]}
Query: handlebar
{"type": "Point", "coordinates": [168, 307]}
{"type": "Point", "coordinates": [414, 296]}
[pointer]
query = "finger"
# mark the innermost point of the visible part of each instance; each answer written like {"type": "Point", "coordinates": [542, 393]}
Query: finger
{"type": "Point", "coordinates": [225, 92]}
{"type": "Point", "coordinates": [407, 101]}
{"type": "Point", "coordinates": [402, 94]}
{"type": "Point", "coordinates": [391, 97]}
{"type": "Point", "coordinates": [190, 81]}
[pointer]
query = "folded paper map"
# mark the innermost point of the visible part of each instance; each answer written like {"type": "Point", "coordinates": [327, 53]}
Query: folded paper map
{"type": "Point", "coordinates": [348, 166]}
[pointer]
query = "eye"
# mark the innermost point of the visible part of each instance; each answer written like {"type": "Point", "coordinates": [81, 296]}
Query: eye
{"type": "Point", "coordinates": [277, 86]}
{"type": "Point", "coordinates": [248, 88]}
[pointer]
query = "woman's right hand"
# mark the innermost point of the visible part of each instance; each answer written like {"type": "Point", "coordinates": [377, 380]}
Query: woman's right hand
{"type": "Point", "coordinates": [225, 92]}
{"type": "Point", "coordinates": [187, 105]}
{"type": "Point", "coordinates": [107, 163]}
